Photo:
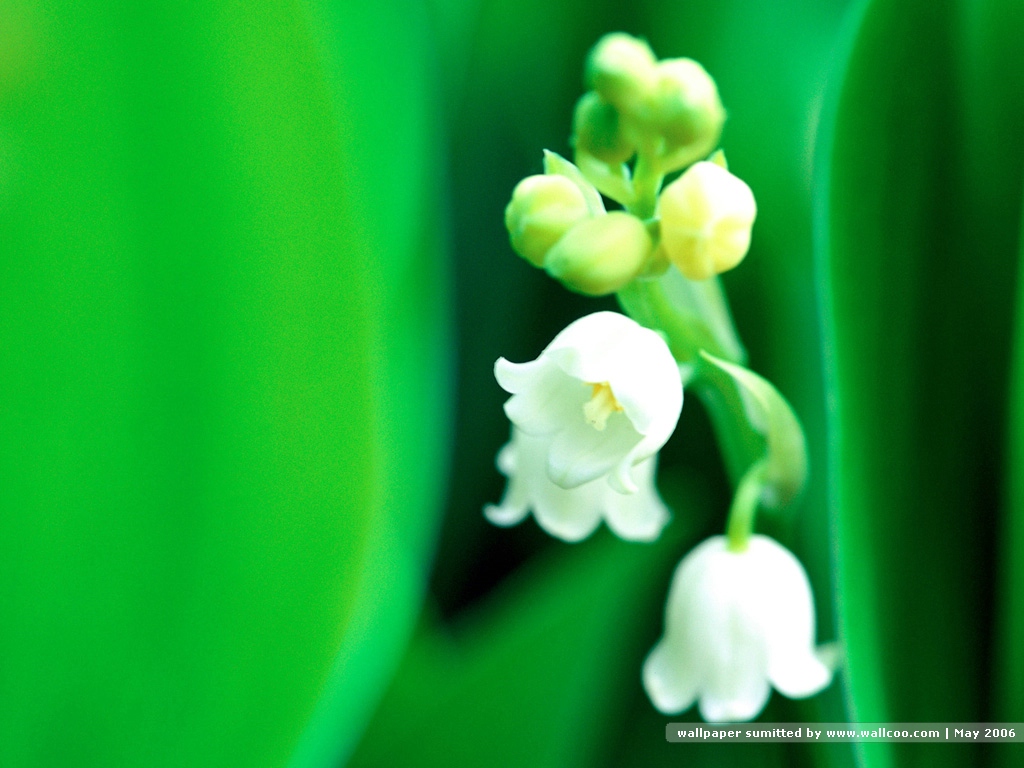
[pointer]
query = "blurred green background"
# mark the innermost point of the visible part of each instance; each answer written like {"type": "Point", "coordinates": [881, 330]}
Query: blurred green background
{"type": "Point", "coordinates": [254, 280]}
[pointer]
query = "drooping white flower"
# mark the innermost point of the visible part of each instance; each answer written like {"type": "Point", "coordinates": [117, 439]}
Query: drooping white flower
{"type": "Point", "coordinates": [736, 624]}
{"type": "Point", "coordinates": [573, 514]}
{"type": "Point", "coordinates": [603, 396]}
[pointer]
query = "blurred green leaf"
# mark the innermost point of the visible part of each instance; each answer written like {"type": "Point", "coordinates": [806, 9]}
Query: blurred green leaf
{"type": "Point", "coordinates": [920, 217]}
{"type": "Point", "coordinates": [1009, 669]}
{"type": "Point", "coordinates": [221, 378]}
{"type": "Point", "coordinates": [537, 675]}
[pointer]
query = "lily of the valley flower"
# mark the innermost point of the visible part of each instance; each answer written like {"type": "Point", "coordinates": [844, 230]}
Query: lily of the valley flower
{"type": "Point", "coordinates": [602, 397]}
{"type": "Point", "coordinates": [573, 514]}
{"type": "Point", "coordinates": [736, 624]}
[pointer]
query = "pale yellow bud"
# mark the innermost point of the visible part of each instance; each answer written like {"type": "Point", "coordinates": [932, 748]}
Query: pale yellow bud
{"type": "Point", "coordinates": [600, 255]}
{"type": "Point", "coordinates": [597, 131]}
{"type": "Point", "coordinates": [706, 218]}
{"type": "Point", "coordinates": [620, 68]}
{"type": "Point", "coordinates": [542, 210]}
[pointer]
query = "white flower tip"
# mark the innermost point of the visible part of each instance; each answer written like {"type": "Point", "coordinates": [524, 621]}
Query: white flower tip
{"type": "Point", "coordinates": [570, 529]}
{"type": "Point", "coordinates": [505, 461]}
{"type": "Point", "coordinates": [640, 517]}
{"type": "Point", "coordinates": [807, 674]}
{"type": "Point", "coordinates": [669, 694]}
{"type": "Point", "coordinates": [642, 530]}
{"type": "Point", "coordinates": [506, 374]}
{"type": "Point", "coordinates": [800, 676]}
{"type": "Point", "coordinates": [735, 709]}
{"type": "Point", "coordinates": [503, 516]}
{"type": "Point", "coordinates": [831, 655]}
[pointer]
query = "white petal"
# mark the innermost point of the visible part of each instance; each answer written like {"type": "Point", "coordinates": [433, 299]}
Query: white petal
{"type": "Point", "coordinates": [514, 505]}
{"type": "Point", "coordinates": [639, 516]}
{"type": "Point", "coordinates": [635, 361]}
{"type": "Point", "coordinates": [621, 477]}
{"type": "Point", "coordinates": [651, 391]}
{"type": "Point", "coordinates": [799, 675]}
{"type": "Point", "coordinates": [506, 459]}
{"type": "Point", "coordinates": [593, 343]}
{"type": "Point", "coordinates": [570, 515]}
{"type": "Point", "coordinates": [670, 682]}
{"type": "Point", "coordinates": [562, 517]}
{"type": "Point", "coordinates": [741, 703]}
{"type": "Point", "coordinates": [544, 398]}
{"type": "Point", "coordinates": [518, 377]}
{"type": "Point", "coordinates": [736, 680]}
{"type": "Point", "coordinates": [505, 515]}
{"type": "Point", "coordinates": [787, 618]}
{"type": "Point", "coordinates": [580, 453]}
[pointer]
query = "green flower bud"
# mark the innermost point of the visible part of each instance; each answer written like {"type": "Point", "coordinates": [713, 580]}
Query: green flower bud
{"type": "Point", "coordinates": [685, 109]}
{"type": "Point", "coordinates": [706, 218]}
{"type": "Point", "coordinates": [596, 130]}
{"type": "Point", "coordinates": [621, 69]}
{"type": "Point", "coordinates": [600, 255]}
{"type": "Point", "coordinates": [542, 210]}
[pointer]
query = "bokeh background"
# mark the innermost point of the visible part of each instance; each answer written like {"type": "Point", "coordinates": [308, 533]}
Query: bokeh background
{"type": "Point", "coordinates": [253, 280]}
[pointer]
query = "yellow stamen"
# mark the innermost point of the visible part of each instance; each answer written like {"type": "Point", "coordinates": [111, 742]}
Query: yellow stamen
{"type": "Point", "coordinates": [600, 406]}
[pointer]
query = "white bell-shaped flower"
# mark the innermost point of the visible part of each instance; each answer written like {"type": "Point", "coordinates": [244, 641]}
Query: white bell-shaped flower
{"type": "Point", "coordinates": [736, 624]}
{"type": "Point", "coordinates": [573, 514]}
{"type": "Point", "coordinates": [603, 396]}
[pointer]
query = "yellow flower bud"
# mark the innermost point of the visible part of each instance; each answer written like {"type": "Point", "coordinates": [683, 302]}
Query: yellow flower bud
{"type": "Point", "coordinates": [543, 208]}
{"type": "Point", "coordinates": [684, 108]}
{"type": "Point", "coordinates": [600, 255]}
{"type": "Point", "coordinates": [706, 218]}
{"type": "Point", "coordinates": [620, 68]}
{"type": "Point", "coordinates": [597, 132]}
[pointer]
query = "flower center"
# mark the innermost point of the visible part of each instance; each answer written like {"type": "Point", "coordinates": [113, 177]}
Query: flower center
{"type": "Point", "coordinates": [600, 406]}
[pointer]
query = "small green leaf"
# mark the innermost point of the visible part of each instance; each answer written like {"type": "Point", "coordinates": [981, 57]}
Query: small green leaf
{"type": "Point", "coordinates": [783, 466]}
{"type": "Point", "coordinates": [613, 181]}
{"type": "Point", "coordinates": [554, 163]}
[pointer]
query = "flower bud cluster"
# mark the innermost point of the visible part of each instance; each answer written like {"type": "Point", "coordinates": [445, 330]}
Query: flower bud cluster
{"type": "Point", "coordinates": [669, 110]}
{"type": "Point", "coordinates": [667, 114]}
{"type": "Point", "coordinates": [557, 222]}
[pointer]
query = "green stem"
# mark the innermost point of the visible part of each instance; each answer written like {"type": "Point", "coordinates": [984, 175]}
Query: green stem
{"type": "Point", "coordinates": [646, 185]}
{"type": "Point", "coordinates": [741, 445]}
{"type": "Point", "coordinates": [693, 315]}
{"type": "Point", "coordinates": [740, 525]}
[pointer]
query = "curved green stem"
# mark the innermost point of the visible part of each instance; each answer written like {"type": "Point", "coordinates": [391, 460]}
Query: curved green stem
{"type": "Point", "coordinates": [740, 525]}
{"type": "Point", "coordinates": [741, 445]}
{"type": "Point", "coordinates": [694, 317]}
